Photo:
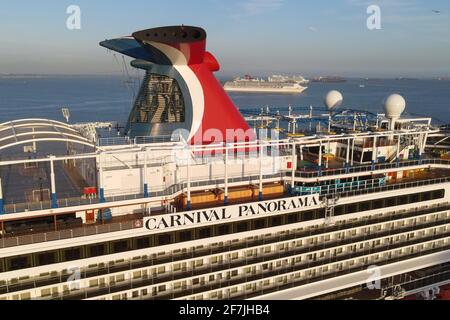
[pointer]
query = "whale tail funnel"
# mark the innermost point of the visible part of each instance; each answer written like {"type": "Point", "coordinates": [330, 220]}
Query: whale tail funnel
{"type": "Point", "coordinates": [180, 91]}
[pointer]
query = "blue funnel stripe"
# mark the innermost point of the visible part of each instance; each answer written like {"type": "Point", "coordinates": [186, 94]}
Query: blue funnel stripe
{"type": "Point", "coordinates": [132, 48]}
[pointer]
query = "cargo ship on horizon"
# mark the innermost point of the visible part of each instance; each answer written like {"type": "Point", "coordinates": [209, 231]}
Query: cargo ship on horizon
{"type": "Point", "coordinates": [329, 79]}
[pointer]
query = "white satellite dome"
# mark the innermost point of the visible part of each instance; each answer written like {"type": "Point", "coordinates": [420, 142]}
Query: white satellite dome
{"type": "Point", "coordinates": [394, 106]}
{"type": "Point", "coordinates": [333, 100]}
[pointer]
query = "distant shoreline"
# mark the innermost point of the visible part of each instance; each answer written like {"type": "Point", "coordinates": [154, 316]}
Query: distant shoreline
{"type": "Point", "coordinates": [220, 77]}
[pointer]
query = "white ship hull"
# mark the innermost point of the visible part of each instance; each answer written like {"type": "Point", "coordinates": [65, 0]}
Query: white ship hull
{"type": "Point", "coordinates": [280, 259]}
{"type": "Point", "coordinates": [266, 90]}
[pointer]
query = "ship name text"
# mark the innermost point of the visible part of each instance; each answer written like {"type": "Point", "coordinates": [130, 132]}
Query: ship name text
{"type": "Point", "coordinates": [228, 213]}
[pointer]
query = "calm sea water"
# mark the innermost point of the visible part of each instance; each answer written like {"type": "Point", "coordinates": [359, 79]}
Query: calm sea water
{"type": "Point", "coordinates": [109, 98]}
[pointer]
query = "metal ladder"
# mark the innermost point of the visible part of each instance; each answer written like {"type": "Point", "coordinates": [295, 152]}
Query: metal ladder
{"type": "Point", "coordinates": [330, 205]}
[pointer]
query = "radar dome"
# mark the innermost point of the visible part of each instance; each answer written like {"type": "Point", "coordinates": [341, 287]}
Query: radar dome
{"type": "Point", "coordinates": [394, 106]}
{"type": "Point", "coordinates": [333, 100]}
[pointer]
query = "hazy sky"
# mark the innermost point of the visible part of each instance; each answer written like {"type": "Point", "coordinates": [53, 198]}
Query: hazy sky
{"type": "Point", "coordinates": [247, 36]}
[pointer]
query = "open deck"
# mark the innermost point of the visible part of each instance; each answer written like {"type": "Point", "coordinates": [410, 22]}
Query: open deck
{"type": "Point", "coordinates": [431, 175]}
{"type": "Point", "coordinates": [68, 200]}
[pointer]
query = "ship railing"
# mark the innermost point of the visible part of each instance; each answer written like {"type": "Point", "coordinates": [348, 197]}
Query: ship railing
{"type": "Point", "coordinates": [365, 187]}
{"type": "Point", "coordinates": [118, 141]}
{"type": "Point", "coordinates": [64, 201]}
{"type": "Point", "coordinates": [44, 235]}
{"type": "Point", "coordinates": [155, 139]}
{"type": "Point", "coordinates": [70, 200]}
{"type": "Point", "coordinates": [314, 173]}
{"type": "Point", "coordinates": [389, 187]}
{"type": "Point", "coordinates": [341, 187]}
{"type": "Point", "coordinates": [344, 190]}
{"type": "Point", "coordinates": [38, 236]}
{"type": "Point", "coordinates": [182, 186]}
{"type": "Point", "coordinates": [112, 163]}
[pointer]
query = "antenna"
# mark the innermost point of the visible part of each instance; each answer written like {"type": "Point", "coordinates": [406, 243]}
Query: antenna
{"type": "Point", "coordinates": [66, 114]}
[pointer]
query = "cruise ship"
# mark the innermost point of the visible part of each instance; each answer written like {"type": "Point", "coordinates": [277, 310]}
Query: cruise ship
{"type": "Point", "coordinates": [191, 203]}
{"type": "Point", "coordinates": [274, 84]}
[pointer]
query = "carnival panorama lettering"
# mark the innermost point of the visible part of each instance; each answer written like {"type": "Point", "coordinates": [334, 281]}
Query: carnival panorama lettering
{"type": "Point", "coordinates": [227, 213]}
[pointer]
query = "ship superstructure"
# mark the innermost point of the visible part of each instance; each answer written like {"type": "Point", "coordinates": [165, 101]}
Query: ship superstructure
{"type": "Point", "coordinates": [215, 210]}
{"type": "Point", "coordinates": [283, 78]}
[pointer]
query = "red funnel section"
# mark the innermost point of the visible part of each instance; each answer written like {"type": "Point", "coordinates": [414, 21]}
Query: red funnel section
{"type": "Point", "coordinates": [215, 118]}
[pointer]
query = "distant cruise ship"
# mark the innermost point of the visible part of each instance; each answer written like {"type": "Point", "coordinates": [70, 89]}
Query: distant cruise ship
{"type": "Point", "coordinates": [274, 84]}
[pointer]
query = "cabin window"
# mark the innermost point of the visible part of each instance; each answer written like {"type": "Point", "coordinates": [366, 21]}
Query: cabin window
{"type": "Point", "coordinates": [204, 233]}
{"type": "Point", "coordinates": [352, 208]}
{"type": "Point", "coordinates": [162, 288]}
{"type": "Point", "coordinates": [320, 214]}
{"type": "Point", "coordinates": [365, 206]}
{"type": "Point", "coordinates": [438, 194]}
{"type": "Point", "coordinates": [17, 263]}
{"type": "Point", "coordinates": [367, 157]}
{"type": "Point", "coordinates": [223, 230]}
{"type": "Point", "coordinates": [164, 239]}
{"type": "Point", "coordinates": [260, 224]}
{"type": "Point", "coordinates": [242, 227]}
{"type": "Point", "coordinates": [97, 250]}
{"type": "Point", "coordinates": [276, 221]}
{"type": "Point", "coordinates": [308, 215]}
{"type": "Point", "coordinates": [185, 236]}
{"type": "Point", "coordinates": [378, 204]}
{"type": "Point", "coordinates": [402, 200]}
{"type": "Point", "coordinates": [357, 156]}
{"type": "Point", "coordinates": [46, 258]}
{"type": "Point", "coordinates": [339, 210]}
{"type": "Point", "coordinates": [391, 202]}
{"type": "Point", "coordinates": [142, 243]}
{"type": "Point", "coordinates": [292, 218]}
{"type": "Point", "coordinates": [72, 254]}
{"type": "Point", "coordinates": [120, 246]}
{"type": "Point", "coordinates": [426, 196]}
{"type": "Point", "coordinates": [413, 198]}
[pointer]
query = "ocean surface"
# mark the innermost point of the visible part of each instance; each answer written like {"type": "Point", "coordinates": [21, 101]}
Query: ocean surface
{"type": "Point", "coordinates": [109, 98]}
